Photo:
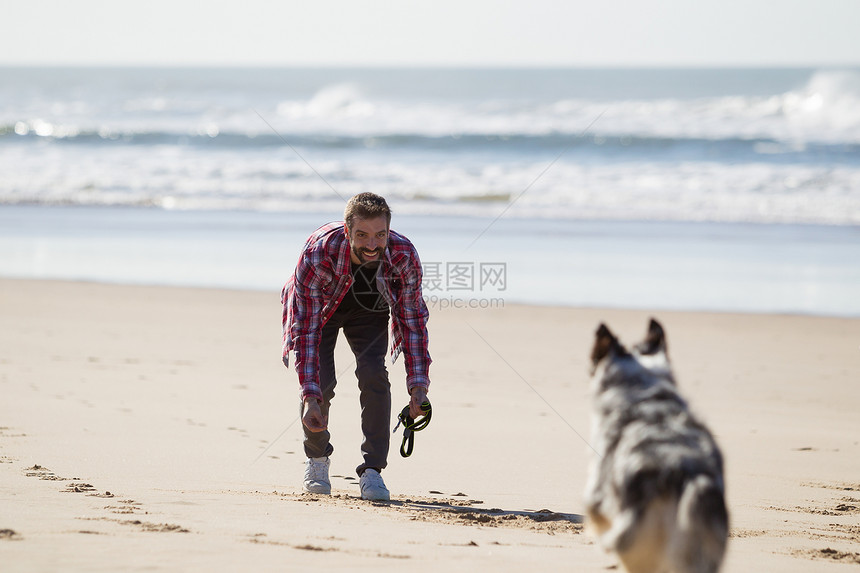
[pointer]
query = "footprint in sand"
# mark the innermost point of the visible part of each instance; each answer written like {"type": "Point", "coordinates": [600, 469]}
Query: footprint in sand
{"type": "Point", "coordinates": [128, 506]}
{"type": "Point", "coordinates": [79, 487]}
{"type": "Point", "coordinates": [830, 554]}
{"type": "Point", "coordinates": [9, 534]}
{"type": "Point", "coordinates": [5, 432]}
{"type": "Point", "coordinates": [43, 473]}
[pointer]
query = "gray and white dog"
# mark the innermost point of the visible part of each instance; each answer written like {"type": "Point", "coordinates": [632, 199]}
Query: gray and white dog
{"type": "Point", "coordinates": [655, 492]}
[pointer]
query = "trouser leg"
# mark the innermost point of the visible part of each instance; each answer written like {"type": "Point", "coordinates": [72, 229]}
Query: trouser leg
{"type": "Point", "coordinates": [367, 334]}
{"type": "Point", "coordinates": [318, 444]}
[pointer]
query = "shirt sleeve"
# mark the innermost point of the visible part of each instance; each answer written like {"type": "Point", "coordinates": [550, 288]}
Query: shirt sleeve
{"type": "Point", "coordinates": [413, 314]}
{"type": "Point", "coordinates": [306, 326]}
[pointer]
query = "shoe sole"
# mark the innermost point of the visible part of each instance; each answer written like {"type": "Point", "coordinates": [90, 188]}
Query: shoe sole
{"type": "Point", "coordinates": [320, 491]}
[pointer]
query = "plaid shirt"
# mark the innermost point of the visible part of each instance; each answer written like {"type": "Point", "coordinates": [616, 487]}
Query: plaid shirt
{"type": "Point", "coordinates": [322, 278]}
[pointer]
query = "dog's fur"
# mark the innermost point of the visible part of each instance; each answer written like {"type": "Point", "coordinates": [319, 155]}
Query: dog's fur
{"type": "Point", "coordinates": [655, 491]}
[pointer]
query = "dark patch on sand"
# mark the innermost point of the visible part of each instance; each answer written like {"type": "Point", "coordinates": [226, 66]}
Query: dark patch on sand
{"type": "Point", "coordinates": [830, 554]}
{"type": "Point", "coordinates": [455, 512]}
{"type": "Point", "coordinates": [836, 486]}
{"type": "Point", "coordinates": [747, 533]}
{"type": "Point", "coordinates": [6, 432]}
{"type": "Point", "coordinates": [142, 525]}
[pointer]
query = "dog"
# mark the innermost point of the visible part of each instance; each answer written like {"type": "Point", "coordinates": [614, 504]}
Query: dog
{"type": "Point", "coordinates": [655, 493]}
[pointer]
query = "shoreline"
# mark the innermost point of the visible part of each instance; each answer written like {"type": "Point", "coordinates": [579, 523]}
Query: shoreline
{"type": "Point", "coordinates": [155, 427]}
{"type": "Point", "coordinates": [449, 305]}
{"type": "Point", "coordinates": [674, 266]}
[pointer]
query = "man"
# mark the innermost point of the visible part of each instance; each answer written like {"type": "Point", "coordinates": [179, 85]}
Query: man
{"type": "Point", "coordinates": [351, 276]}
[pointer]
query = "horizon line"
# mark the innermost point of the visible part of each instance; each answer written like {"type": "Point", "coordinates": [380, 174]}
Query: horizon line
{"type": "Point", "coordinates": [431, 66]}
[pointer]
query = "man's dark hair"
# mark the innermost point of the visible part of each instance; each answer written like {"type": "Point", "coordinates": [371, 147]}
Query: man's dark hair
{"type": "Point", "coordinates": [366, 206]}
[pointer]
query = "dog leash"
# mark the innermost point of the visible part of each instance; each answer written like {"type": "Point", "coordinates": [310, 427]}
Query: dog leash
{"type": "Point", "coordinates": [410, 426]}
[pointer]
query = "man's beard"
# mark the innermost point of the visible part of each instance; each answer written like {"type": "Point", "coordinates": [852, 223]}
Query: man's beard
{"type": "Point", "coordinates": [359, 253]}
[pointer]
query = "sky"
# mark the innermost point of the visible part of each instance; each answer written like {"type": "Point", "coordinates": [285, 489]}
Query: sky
{"type": "Point", "coordinates": [459, 33]}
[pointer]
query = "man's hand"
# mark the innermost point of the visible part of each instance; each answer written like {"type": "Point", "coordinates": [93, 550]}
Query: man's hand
{"type": "Point", "coordinates": [313, 418]}
{"type": "Point", "coordinates": [419, 395]}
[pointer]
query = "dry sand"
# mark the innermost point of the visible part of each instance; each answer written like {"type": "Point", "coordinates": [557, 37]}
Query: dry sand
{"type": "Point", "coordinates": [156, 429]}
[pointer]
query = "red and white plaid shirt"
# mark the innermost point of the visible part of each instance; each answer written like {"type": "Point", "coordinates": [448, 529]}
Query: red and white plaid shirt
{"type": "Point", "coordinates": [322, 278]}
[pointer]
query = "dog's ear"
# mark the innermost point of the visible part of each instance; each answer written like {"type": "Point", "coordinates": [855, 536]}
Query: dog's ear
{"type": "Point", "coordinates": [604, 343]}
{"type": "Point", "coordinates": [655, 340]}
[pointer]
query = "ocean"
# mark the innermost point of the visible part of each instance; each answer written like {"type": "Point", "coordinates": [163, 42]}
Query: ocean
{"type": "Point", "coordinates": [694, 189]}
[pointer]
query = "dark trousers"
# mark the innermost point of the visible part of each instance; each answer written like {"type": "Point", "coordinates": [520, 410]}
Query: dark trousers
{"type": "Point", "coordinates": [367, 335]}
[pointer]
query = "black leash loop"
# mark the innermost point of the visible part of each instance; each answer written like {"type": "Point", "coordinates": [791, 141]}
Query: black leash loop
{"type": "Point", "coordinates": [410, 426]}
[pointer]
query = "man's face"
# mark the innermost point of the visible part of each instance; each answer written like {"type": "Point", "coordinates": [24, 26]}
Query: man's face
{"type": "Point", "coordinates": [367, 239]}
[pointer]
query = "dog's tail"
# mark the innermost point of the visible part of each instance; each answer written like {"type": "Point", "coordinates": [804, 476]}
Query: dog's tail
{"type": "Point", "coordinates": [702, 527]}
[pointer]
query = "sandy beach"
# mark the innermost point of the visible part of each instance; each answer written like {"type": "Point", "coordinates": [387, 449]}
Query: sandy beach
{"type": "Point", "coordinates": [155, 428]}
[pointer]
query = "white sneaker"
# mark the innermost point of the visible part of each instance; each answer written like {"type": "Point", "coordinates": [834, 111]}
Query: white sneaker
{"type": "Point", "coordinates": [316, 476]}
{"type": "Point", "coordinates": [372, 486]}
